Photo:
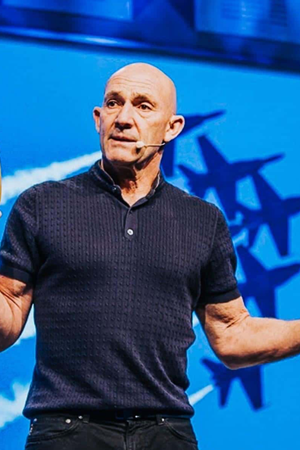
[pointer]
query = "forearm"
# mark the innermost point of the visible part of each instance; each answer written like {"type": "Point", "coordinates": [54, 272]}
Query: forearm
{"type": "Point", "coordinates": [6, 323]}
{"type": "Point", "coordinates": [260, 340]}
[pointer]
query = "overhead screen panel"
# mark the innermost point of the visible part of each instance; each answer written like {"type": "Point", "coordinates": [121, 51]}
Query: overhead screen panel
{"type": "Point", "coordinates": [112, 9]}
{"type": "Point", "coordinates": [263, 32]}
{"type": "Point", "coordinates": [267, 19]}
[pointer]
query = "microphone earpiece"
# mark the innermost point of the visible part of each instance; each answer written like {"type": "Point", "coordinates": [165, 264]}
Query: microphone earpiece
{"type": "Point", "coordinates": [140, 144]}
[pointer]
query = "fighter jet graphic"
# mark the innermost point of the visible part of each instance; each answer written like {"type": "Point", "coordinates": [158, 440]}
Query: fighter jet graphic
{"type": "Point", "coordinates": [222, 175]}
{"type": "Point", "coordinates": [251, 221]}
{"type": "Point", "coordinates": [191, 121]}
{"type": "Point", "coordinates": [275, 212]}
{"type": "Point", "coordinates": [250, 379]}
{"type": "Point", "coordinates": [261, 283]}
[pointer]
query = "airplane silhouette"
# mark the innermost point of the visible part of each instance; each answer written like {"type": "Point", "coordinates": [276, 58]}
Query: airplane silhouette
{"type": "Point", "coordinates": [275, 212]}
{"type": "Point", "coordinates": [222, 175]}
{"type": "Point", "coordinates": [251, 221]}
{"type": "Point", "coordinates": [261, 282]}
{"type": "Point", "coordinates": [250, 379]}
{"type": "Point", "coordinates": [191, 121]}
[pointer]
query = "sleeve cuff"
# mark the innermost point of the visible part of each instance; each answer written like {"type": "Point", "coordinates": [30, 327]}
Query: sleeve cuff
{"type": "Point", "coordinates": [16, 274]}
{"type": "Point", "coordinates": [220, 297]}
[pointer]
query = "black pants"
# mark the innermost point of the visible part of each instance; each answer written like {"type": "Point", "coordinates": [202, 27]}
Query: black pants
{"type": "Point", "coordinates": [72, 432]}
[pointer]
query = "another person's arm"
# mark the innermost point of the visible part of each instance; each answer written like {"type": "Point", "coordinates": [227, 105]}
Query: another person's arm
{"type": "Point", "coordinates": [15, 304]}
{"type": "Point", "coordinates": [240, 340]}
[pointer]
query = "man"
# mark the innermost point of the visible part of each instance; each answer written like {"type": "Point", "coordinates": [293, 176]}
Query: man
{"type": "Point", "coordinates": [115, 261]}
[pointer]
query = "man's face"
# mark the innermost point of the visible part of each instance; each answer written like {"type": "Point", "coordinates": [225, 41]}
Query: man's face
{"type": "Point", "coordinates": [137, 106]}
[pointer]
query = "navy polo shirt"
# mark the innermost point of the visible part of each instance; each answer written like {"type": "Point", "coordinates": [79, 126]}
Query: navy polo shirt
{"type": "Point", "coordinates": [114, 289]}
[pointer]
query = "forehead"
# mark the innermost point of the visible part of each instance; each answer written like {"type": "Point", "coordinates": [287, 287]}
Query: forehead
{"type": "Point", "coordinates": [134, 85]}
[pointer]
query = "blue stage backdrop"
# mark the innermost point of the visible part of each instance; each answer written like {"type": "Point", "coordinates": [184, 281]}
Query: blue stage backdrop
{"type": "Point", "coordinates": [239, 149]}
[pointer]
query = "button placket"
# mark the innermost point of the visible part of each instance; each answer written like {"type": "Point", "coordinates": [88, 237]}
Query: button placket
{"type": "Point", "coordinates": [130, 224]}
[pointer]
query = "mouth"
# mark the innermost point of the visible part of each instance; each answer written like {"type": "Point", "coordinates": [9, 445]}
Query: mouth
{"type": "Point", "coordinates": [122, 139]}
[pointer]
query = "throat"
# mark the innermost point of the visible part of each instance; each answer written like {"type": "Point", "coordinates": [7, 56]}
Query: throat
{"type": "Point", "coordinates": [132, 199]}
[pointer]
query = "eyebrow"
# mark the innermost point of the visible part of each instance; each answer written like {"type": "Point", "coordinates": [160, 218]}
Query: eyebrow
{"type": "Point", "coordinates": [137, 97]}
{"type": "Point", "coordinates": [112, 94]}
{"type": "Point", "coordinates": [144, 98]}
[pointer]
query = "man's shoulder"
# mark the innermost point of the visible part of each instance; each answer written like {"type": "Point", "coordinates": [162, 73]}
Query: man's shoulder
{"type": "Point", "coordinates": [48, 186]}
{"type": "Point", "coordinates": [192, 200]}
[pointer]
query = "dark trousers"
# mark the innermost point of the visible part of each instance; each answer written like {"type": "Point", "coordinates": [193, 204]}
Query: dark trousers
{"type": "Point", "coordinates": [72, 432]}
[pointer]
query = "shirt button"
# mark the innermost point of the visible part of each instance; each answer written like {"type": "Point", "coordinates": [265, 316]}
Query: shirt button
{"type": "Point", "coordinates": [130, 231]}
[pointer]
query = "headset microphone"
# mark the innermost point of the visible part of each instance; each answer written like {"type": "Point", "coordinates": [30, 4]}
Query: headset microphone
{"type": "Point", "coordinates": [141, 144]}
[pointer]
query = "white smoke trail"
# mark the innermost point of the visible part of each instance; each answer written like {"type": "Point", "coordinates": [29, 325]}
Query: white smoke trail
{"type": "Point", "coordinates": [13, 185]}
{"type": "Point", "coordinates": [11, 409]}
{"type": "Point", "coordinates": [195, 321]}
{"type": "Point", "coordinates": [199, 395]}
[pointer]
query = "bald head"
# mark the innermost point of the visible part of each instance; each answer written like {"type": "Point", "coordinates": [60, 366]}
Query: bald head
{"type": "Point", "coordinates": [152, 77]}
{"type": "Point", "coordinates": [139, 105]}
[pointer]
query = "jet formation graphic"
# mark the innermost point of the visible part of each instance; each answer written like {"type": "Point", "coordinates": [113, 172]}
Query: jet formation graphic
{"type": "Point", "coordinates": [261, 283]}
{"type": "Point", "coordinates": [275, 213]}
{"type": "Point", "coordinates": [222, 175]}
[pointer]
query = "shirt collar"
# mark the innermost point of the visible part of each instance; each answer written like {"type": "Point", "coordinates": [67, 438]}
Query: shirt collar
{"type": "Point", "coordinates": [106, 182]}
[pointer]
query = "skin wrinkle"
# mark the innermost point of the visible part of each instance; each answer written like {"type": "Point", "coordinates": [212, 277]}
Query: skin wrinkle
{"type": "Point", "coordinates": [252, 354]}
{"type": "Point", "coordinates": [158, 74]}
{"type": "Point", "coordinates": [248, 340]}
{"type": "Point", "coordinates": [223, 330]}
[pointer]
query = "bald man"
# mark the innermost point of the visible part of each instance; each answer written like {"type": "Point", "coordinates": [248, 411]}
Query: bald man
{"type": "Point", "coordinates": [116, 260]}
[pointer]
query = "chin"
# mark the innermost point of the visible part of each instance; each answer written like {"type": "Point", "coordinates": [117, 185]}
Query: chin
{"type": "Point", "coordinates": [121, 157]}
{"type": "Point", "coordinates": [122, 152]}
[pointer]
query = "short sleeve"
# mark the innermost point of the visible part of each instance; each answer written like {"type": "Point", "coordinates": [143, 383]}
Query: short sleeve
{"type": "Point", "coordinates": [218, 281]}
{"type": "Point", "coordinates": [19, 258]}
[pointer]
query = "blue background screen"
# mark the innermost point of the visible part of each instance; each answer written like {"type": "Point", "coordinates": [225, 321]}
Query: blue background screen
{"type": "Point", "coordinates": [239, 149]}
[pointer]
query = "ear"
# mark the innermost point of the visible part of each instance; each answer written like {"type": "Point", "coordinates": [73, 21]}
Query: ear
{"type": "Point", "coordinates": [97, 119]}
{"type": "Point", "coordinates": [174, 128]}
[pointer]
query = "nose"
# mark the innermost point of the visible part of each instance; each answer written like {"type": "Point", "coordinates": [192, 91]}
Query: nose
{"type": "Point", "coordinates": [124, 118]}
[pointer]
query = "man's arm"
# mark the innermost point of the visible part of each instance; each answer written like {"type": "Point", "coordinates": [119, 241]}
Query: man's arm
{"type": "Point", "coordinates": [240, 340]}
{"type": "Point", "coordinates": [15, 304]}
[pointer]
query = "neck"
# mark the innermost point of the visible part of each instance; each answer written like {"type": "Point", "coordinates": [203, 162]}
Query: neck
{"type": "Point", "coordinates": [132, 182]}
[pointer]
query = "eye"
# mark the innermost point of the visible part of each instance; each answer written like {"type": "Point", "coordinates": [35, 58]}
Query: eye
{"type": "Point", "coordinates": [145, 107]}
{"type": "Point", "coordinates": [111, 103]}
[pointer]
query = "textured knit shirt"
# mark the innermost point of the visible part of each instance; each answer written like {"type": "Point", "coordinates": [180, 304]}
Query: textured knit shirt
{"type": "Point", "coordinates": [114, 288]}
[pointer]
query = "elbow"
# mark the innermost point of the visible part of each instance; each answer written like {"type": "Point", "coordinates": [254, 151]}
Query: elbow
{"type": "Point", "coordinates": [7, 341]}
{"type": "Point", "coordinates": [232, 346]}
{"type": "Point", "coordinates": [4, 346]}
{"type": "Point", "coordinates": [233, 354]}
{"type": "Point", "coordinates": [231, 360]}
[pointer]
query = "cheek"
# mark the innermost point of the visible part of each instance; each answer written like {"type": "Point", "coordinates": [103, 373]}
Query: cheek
{"type": "Point", "coordinates": [105, 125]}
{"type": "Point", "coordinates": [156, 129]}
